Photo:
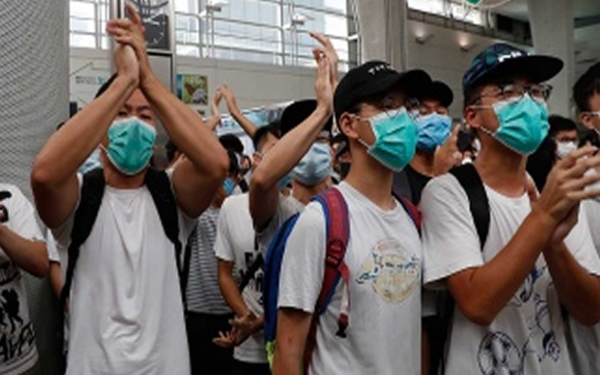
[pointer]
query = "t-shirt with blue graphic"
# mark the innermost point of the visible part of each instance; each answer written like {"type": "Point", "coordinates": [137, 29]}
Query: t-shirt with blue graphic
{"type": "Point", "coordinates": [528, 334]}
{"type": "Point", "coordinates": [384, 259]}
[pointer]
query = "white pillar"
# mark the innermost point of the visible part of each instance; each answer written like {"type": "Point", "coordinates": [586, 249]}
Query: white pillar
{"type": "Point", "coordinates": [383, 28]}
{"type": "Point", "coordinates": [552, 27]}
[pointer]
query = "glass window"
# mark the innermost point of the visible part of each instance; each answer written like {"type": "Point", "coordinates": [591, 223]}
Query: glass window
{"type": "Point", "coordinates": [83, 40]}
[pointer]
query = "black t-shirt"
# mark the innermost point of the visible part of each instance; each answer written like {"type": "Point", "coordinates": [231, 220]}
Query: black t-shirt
{"type": "Point", "coordinates": [410, 184]}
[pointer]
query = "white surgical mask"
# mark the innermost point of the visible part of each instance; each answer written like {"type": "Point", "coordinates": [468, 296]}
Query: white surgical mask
{"type": "Point", "coordinates": [564, 148]}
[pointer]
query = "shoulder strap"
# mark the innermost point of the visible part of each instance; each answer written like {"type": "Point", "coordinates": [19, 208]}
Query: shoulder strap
{"type": "Point", "coordinates": [90, 199]}
{"type": "Point", "coordinates": [470, 181]}
{"type": "Point", "coordinates": [411, 210]}
{"type": "Point", "coordinates": [187, 258]}
{"type": "Point", "coordinates": [338, 233]}
{"type": "Point", "coordinates": [159, 185]}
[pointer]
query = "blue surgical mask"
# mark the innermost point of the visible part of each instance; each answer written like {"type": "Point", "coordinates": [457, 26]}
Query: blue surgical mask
{"type": "Point", "coordinates": [228, 185]}
{"type": "Point", "coordinates": [395, 139]}
{"type": "Point", "coordinates": [314, 166]}
{"type": "Point", "coordinates": [523, 124]}
{"type": "Point", "coordinates": [284, 182]}
{"type": "Point", "coordinates": [433, 129]}
{"type": "Point", "coordinates": [92, 162]}
{"type": "Point", "coordinates": [130, 143]}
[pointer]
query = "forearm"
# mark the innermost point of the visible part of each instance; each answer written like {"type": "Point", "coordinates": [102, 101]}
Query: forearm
{"type": "Point", "coordinates": [30, 256]}
{"type": "Point", "coordinates": [483, 292]}
{"type": "Point", "coordinates": [187, 129]}
{"type": "Point", "coordinates": [233, 297]}
{"type": "Point", "coordinates": [578, 290]}
{"type": "Point", "coordinates": [248, 126]}
{"type": "Point", "coordinates": [55, 278]}
{"type": "Point", "coordinates": [292, 331]}
{"type": "Point", "coordinates": [213, 122]}
{"type": "Point", "coordinates": [70, 146]}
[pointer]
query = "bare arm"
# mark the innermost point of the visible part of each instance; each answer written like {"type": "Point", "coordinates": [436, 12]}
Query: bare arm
{"type": "Point", "coordinates": [215, 114]}
{"type": "Point", "coordinates": [55, 278]}
{"type": "Point", "coordinates": [578, 290]}
{"type": "Point", "coordinates": [482, 292]}
{"type": "Point", "coordinates": [198, 177]}
{"type": "Point", "coordinates": [264, 192]}
{"type": "Point", "coordinates": [230, 290]}
{"type": "Point", "coordinates": [292, 330]}
{"type": "Point", "coordinates": [30, 256]}
{"type": "Point", "coordinates": [53, 175]}
{"type": "Point", "coordinates": [235, 112]}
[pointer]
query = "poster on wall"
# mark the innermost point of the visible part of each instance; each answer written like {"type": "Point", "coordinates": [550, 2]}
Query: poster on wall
{"type": "Point", "coordinates": [192, 88]}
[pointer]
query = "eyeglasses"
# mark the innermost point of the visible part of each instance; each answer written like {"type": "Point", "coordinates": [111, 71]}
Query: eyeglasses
{"type": "Point", "coordinates": [391, 103]}
{"type": "Point", "coordinates": [539, 92]}
{"type": "Point", "coordinates": [591, 113]}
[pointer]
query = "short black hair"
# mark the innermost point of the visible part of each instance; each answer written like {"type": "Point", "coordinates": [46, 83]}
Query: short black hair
{"type": "Point", "coordinates": [586, 86]}
{"type": "Point", "coordinates": [232, 142]}
{"type": "Point", "coordinates": [589, 135]}
{"type": "Point", "coordinates": [171, 149]}
{"type": "Point", "coordinates": [261, 134]}
{"type": "Point", "coordinates": [540, 163]}
{"type": "Point", "coordinates": [559, 123]}
{"type": "Point", "coordinates": [105, 85]}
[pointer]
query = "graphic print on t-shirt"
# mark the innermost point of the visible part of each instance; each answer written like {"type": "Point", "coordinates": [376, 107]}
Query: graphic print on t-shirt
{"type": "Point", "coordinates": [255, 285]}
{"type": "Point", "coordinates": [499, 353]}
{"type": "Point", "coordinates": [391, 271]}
{"type": "Point", "coordinates": [17, 337]}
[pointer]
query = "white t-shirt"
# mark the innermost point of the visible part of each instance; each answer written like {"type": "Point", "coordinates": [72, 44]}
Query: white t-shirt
{"type": "Point", "coordinates": [384, 259]}
{"type": "Point", "coordinates": [235, 243]}
{"type": "Point", "coordinates": [288, 206]}
{"type": "Point", "coordinates": [585, 341]}
{"type": "Point", "coordinates": [18, 351]}
{"type": "Point", "coordinates": [125, 300]}
{"type": "Point", "coordinates": [527, 336]}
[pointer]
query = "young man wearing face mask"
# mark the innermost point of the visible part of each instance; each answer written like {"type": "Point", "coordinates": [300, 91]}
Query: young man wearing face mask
{"type": "Point", "coordinates": [303, 151]}
{"type": "Point", "coordinates": [564, 132]}
{"type": "Point", "coordinates": [125, 301]}
{"type": "Point", "coordinates": [509, 286]}
{"type": "Point", "coordinates": [237, 251]}
{"type": "Point", "coordinates": [437, 148]}
{"type": "Point", "coordinates": [382, 299]}
{"type": "Point", "coordinates": [584, 341]}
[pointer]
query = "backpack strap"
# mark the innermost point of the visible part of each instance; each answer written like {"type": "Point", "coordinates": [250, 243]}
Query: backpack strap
{"type": "Point", "coordinates": [479, 206]}
{"type": "Point", "coordinates": [187, 258]}
{"type": "Point", "coordinates": [159, 185]}
{"type": "Point", "coordinates": [410, 209]}
{"type": "Point", "coordinates": [338, 233]}
{"type": "Point", "coordinates": [90, 199]}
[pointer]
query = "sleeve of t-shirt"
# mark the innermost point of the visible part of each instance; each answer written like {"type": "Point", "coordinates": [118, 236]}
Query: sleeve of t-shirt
{"type": "Point", "coordinates": [450, 240]}
{"type": "Point", "coordinates": [52, 250]}
{"type": "Point", "coordinates": [22, 217]}
{"type": "Point", "coordinates": [303, 264]}
{"type": "Point", "coordinates": [580, 244]}
{"type": "Point", "coordinates": [223, 248]}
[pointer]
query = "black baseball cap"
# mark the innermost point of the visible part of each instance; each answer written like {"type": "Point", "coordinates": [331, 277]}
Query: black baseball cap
{"type": "Point", "coordinates": [298, 111]}
{"type": "Point", "coordinates": [232, 142]}
{"type": "Point", "coordinates": [439, 91]}
{"type": "Point", "coordinates": [372, 78]}
{"type": "Point", "coordinates": [502, 60]}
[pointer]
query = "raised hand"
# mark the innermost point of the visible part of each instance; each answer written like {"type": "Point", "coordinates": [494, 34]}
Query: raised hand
{"type": "Point", "coordinates": [229, 97]}
{"type": "Point", "coordinates": [131, 32]}
{"type": "Point", "coordinates": [214, 104]}
{"type": "Point", "coordinates": [566, 184]}
{"type": "Point", "coordinates": [447, 155]}
{"type": "Point", "coordinates": [126, 63]}
{"type": "Point", "coordinates": [323, 85]}
{"type": "Point", "coordinates": [328, 50]}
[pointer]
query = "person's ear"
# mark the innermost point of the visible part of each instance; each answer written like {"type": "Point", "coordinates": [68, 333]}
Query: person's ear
{"type": "Point", "coordinates": [587, 120]}
{"type": "Point", "coordinates": [471, 117]}
{"type": "Point", "coordinates": [347, 123]}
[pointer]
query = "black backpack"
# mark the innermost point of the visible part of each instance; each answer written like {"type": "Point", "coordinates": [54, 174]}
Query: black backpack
{"type": "Point", "coordinates": [92, 192]}
{"type": "Point", "coordinates": [471, 182]}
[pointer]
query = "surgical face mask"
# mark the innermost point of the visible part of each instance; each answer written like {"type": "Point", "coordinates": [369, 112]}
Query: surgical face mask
{"type": "Point", "coordinates": [92, 162]}
{"type": "Point", "coordinates": [433, 129]}
{"type": "Point", "coordinates": [395, 139]}
{"type": "Point", "coordinates": [523, 124]}
{"type": "Point", "coordinates": [130, 143]}
{"type": "Point", "coordinates": [228, 185]}
{"type": "Point", "coordinates": [284, 182]}
{"type": "Point", "coordinates": [565, 148]}
{"type": "Point", "coordinates": [314, 166]}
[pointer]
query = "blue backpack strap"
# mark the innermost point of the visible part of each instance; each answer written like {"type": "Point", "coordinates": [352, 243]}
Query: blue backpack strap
{"type": "Point", "coordinates": [272, 270]}
{"type": "Point", "coordinates": [337, 223]}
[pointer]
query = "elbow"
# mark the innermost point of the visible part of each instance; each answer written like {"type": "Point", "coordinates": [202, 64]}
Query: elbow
{"type": "Point", "coordinates": [588, 318]}
{"type": "Point", "coordinates": [40, 177]}
{"type": "Point", "coordinates": [478, 313]}
{"type": "Point", "coordinates": [260, 181]}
